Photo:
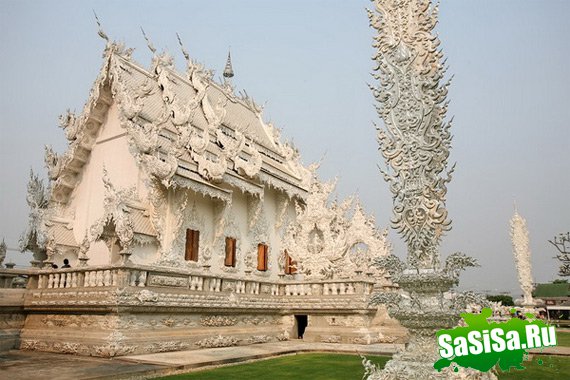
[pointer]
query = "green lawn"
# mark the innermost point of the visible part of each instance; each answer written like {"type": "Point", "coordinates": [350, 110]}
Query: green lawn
{"type": "Point", "coordinates": [563, 338]}
{"type": "Point", "coordinates": [552, 367]}
{"type": "Point", "coordinates": [298, 367]}
{"type": "Point", "coordinates": [346, 367]}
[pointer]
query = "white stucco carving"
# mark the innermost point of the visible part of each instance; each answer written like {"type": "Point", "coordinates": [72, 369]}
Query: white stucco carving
{"type": "Point", "coordinates": [415, 143]}
{"type": "Point", "coordinates": [328, 242]}
{"type": "Point", "coordinates": [521, 252]}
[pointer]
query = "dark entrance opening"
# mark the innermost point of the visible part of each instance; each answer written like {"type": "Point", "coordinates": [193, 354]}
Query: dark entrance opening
{"type": "Point", "coordinates": [301, 321]}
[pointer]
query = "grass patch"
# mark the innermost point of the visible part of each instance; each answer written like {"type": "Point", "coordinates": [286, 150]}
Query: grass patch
{"type": "Point", "coordinates": [315, 366]}
{"type": "Point", "coordinates": [563, 338]}
{"type": "Point", "coordinates": [312, 366]}
{"type": "Point", "coordinates": [552, 367]}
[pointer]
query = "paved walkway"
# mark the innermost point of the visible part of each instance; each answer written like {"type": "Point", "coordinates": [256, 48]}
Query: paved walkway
{"type": "Point", "coordinates": [16, 365]}
{"type": "Point", "coordinates": [22, 365]}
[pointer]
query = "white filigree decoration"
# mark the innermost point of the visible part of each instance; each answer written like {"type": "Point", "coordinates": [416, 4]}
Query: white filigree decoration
{"type": "Point", "coordinates": [35, 236]}
{"type": "Point", "coordinates": [116, 213]}
{"type": "Point", "coordinates": [416, 144]}
{"type": "Point", "coordinates": [521, 252]}
{"type": "Point", "coordinates": [416, 141]}
{"type": "Point", "coordinates": [326, 242]}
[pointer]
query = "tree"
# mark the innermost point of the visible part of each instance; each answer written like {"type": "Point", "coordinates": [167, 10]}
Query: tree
{"type": "Point", "coordinates": [562, 245]}
{"type": "Point", "coordinates": [504, 299]}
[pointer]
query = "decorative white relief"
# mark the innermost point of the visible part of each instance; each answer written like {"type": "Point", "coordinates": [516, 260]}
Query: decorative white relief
{"type": "Point", "coordinates": [326, 243]}
{"type": "Point", "coordinates": [411, 99]}
{"type": "Point", "coordinates": [521, 252]}
{"type": "Point", "coordinates": [35, 236]}
{"type": "Point", "coordinates": [116, 214]}
{"type": "Point", "coordinates": [218, 341]}
{"type": "Point", "coordinates": [258, 234]}
{"type": "Point", "coordinates": [231, 229]}
{"type": "Point", "coordinates": [218, 320]}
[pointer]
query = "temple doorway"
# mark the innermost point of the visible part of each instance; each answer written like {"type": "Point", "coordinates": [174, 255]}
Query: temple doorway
{"type": "Point", "coordinates": [301, 321]}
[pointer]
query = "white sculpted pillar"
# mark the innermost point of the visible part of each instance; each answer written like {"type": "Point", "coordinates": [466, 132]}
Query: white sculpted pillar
{"type": "Point", "coordinates": [521, 251]}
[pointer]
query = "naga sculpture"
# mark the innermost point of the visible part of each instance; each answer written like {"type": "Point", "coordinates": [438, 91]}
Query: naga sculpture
{"type": "Point", "coordinates": [415, 143]}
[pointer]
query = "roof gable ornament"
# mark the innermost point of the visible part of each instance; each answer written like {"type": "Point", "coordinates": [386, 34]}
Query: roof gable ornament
{"type": "Point", "coordinates": [194, 67]}
{"type": "Point", "coordinates": [111, 46]}
{"type": "Point", "coordinates": [100, 32]}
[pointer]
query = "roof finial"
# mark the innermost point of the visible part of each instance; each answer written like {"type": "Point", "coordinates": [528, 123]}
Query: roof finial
{"type": "Point", "coordinates": [101, 33]}
{"type": "Point", "coordinates": [228, 71]}
{"type": "Point", "coordinates": [148, 43]}
{"type": "Point", "coordinates": [184, 52]}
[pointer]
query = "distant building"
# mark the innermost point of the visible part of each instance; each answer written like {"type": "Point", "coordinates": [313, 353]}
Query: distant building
{"type": "Point", "coordinates": [556, 299]}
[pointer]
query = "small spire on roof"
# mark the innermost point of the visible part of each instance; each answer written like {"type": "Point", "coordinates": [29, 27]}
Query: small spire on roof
{"type": "Point", "coordinates": [228, 71]}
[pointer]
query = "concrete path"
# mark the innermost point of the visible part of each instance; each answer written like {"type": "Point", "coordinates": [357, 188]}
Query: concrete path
{"type": "Point", "coordinates": [29, 365]}
{"type": "Point", "coordinates": [22, 365]}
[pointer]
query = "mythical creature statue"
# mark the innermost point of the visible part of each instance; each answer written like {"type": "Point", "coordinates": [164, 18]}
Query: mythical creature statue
{"type": "Point", "coordinates": [34, 238]}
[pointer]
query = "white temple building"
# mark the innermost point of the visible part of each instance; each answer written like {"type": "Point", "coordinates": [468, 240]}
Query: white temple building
{"type": "Point", "coordinates": [188, 223]}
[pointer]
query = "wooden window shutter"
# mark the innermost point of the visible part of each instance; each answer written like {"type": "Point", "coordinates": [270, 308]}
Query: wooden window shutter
{"type": "Point", "coordinates": [292, 265]}
{"type": "Point", "coordinates": [289, 264]}
{"type": "Point", "coordinates": [192, 245]}
{"type": "Point", "coordinates": [230, 260]}
{"type": "Point", "coordinates": [262, 250]}
{"type": "Point", "coordinates": [195, 244]}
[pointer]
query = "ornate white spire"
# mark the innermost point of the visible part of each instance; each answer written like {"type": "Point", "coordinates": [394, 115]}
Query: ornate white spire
{"type": "Point", "coordinates": [416, 141]}
{"type": "Point", "coordinates": [521, 251]}
{"type": "Point", "coordinates": [228, 70]}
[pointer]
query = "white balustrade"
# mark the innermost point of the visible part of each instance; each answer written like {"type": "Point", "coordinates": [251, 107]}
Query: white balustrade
{"type": "Point", "coordinates": [240, 287]}
{"type": "Point", "coordinates": [274, 290]}
{"type": "Point", "coordinates": [254, 287]}
{"type": "Point", "coordinates": [196, 283]}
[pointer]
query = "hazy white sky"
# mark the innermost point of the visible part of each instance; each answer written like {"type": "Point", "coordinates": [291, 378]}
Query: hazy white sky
{"type": "Point", "coordinates": [309, 62]}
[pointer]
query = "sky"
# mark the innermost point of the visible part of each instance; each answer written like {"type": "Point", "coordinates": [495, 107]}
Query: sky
{"type": "Point", "coordinates": [308, 62]}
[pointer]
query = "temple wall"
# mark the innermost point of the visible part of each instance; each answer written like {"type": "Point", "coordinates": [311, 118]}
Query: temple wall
{"type": "Point", "coordinates": [111, 150]}
{"type": "Point", "coordinates": [128, 309]}
{"type": "Point", "coordinates": [12, 317]}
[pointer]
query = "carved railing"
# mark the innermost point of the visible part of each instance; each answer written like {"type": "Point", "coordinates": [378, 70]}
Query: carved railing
{"type": "Point", "coordinates": [146, 276]}
{"type": "Point", "coordinates": [14, 278]}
